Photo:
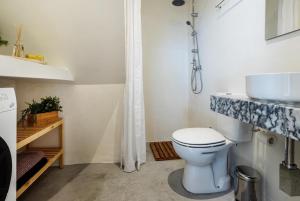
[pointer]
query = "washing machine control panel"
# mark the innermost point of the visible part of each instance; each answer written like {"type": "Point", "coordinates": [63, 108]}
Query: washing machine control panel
{"type": "Point", "coordinates": [7, 99]}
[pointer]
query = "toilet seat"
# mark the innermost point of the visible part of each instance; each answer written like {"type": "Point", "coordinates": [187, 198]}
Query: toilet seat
{"type": "Point", "coordinates": [199, 138]}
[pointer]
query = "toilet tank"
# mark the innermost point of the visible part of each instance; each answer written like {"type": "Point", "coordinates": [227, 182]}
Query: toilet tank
{"type": "Point", "coordinates": [233, 129]}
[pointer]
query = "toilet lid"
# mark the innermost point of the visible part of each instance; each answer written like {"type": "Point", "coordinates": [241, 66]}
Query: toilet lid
{"type": "Point", "coordinates": [199, 136]}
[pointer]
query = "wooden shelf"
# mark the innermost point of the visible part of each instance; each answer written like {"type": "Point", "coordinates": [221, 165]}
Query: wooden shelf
{"type": "Point", "coordinates": [52, 154]}
{"type": "Point", "coordinates": [27, 134]}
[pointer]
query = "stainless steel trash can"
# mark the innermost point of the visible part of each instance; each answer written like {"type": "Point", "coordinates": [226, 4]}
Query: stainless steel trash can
{"type": "Point", "coordinates": [247, 184]}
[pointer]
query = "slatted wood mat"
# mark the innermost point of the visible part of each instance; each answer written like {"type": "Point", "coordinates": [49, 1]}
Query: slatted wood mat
{"type": "Point", "coordinates": [163, 151]}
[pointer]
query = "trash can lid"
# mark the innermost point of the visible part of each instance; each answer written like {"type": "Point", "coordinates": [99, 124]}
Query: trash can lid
{"type": "Point", "coordinates": [247, 173]}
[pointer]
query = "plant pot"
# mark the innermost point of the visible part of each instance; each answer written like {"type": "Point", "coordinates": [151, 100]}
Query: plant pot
{"type": "Point", "coordinates": [42, 118]}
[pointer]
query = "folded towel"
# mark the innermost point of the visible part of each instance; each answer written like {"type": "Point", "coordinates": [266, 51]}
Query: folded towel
{"type": "Point", "coordinates": [27, 160]}
{"type": "Point", "coordinates": [28, 164]}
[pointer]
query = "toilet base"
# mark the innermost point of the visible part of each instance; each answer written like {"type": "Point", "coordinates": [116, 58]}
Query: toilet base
{"type": "Point", "coordinates": [200, 180]}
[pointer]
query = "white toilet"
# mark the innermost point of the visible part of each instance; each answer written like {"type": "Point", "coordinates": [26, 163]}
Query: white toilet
{"type": "Point", "coordinates": [205, 151]}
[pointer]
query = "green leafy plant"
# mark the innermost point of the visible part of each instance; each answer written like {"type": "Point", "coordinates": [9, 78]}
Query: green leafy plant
{"type": "Point", "coordinates": [47, 104]}
{"type": "Point", "coordinates": [3, 42]}
{"type": "Point", "coordinates": [50, 104]}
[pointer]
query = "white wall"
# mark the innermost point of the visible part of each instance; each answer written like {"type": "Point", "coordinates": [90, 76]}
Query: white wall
{"type": "Point", "coordinates": [88, 38]}
{"type": "Point", "coordinates": [85, 36]}
{"type": "Point", "coordinates": [93, 119]}
{"type": "Point", "coordinates": [93, 116]}
{"type": "Point", "coordinates": [165, 49]}
{"type": "Point", "coordinates": [232, 45]}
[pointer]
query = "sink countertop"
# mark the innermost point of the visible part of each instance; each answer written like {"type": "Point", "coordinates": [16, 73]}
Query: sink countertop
{"type": "Point", "coordinates": [277, 117]}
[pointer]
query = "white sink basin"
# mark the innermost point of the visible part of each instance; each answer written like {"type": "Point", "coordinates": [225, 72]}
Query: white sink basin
{"type": "Point", "coordinates": [274, 86]}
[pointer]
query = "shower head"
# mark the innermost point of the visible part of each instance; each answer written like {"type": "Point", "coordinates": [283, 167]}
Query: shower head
{"type": "Point", "coordinates": [178, 2]}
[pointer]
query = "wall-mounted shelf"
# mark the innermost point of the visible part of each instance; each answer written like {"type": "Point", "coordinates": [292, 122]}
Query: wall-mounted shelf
{"type": "Point", "coordinates": [11, 67]}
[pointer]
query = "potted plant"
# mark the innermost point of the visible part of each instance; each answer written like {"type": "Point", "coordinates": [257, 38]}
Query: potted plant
{"type": "Point", "coordinates": [44, 111]}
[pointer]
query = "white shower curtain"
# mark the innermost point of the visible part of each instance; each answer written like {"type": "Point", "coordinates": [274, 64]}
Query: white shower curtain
{"type": "Point", "coordinates": [133, 142]}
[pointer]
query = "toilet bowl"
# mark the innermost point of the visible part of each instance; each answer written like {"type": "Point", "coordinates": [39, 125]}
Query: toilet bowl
{"type": "Point", "coordinates": [205, 152]}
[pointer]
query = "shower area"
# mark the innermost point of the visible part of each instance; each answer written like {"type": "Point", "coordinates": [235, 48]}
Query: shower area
{"type": "Point", "coordinates": [172, 66]}
{"type": "Point", "coordinates": [196, 69]}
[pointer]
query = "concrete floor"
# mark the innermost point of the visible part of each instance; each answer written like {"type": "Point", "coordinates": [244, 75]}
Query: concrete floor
{"type": "Point", "coordinates": [157, 181]}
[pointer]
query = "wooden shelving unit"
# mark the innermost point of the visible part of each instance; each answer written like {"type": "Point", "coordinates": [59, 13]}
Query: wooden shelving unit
{"type": "Point", "coordinates": [27, 134]}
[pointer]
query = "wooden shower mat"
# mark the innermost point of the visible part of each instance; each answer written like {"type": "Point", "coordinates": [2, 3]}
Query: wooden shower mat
{"type": "Point", "coordinates": [163, 151]}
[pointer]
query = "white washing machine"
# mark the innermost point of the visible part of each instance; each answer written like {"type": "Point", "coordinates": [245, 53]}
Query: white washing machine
{"type": "Point", "coordinates": [8, 139]}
